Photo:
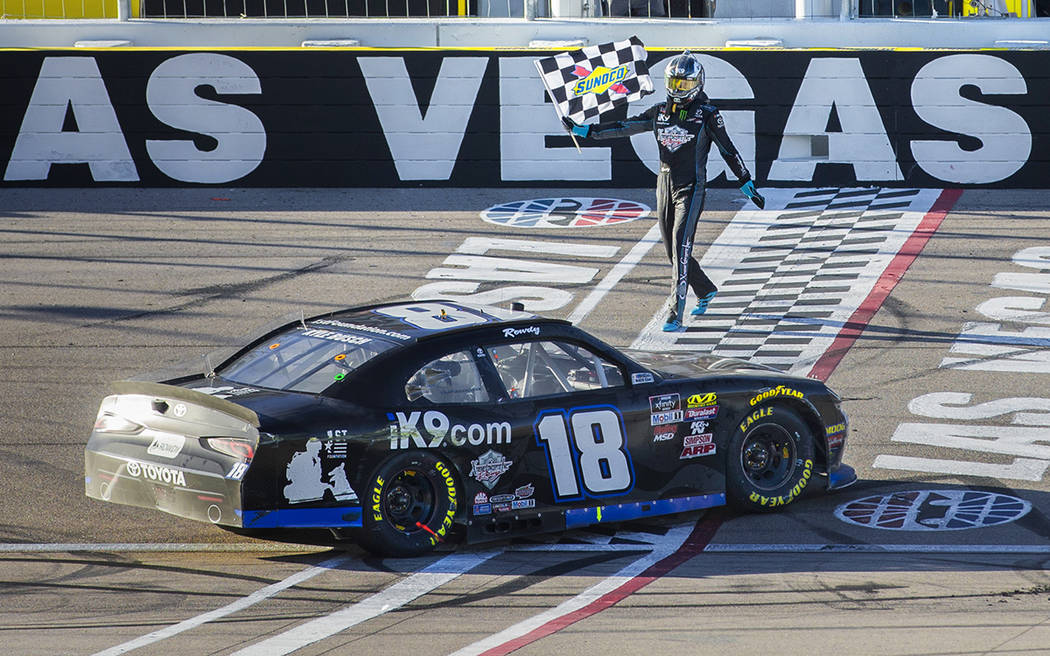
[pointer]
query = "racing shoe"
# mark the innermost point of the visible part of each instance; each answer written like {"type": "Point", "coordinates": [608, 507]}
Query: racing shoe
{"type": "Point", "coordinates": [674, 317]}
{"type": "Point", "coordinates": [702, 302]}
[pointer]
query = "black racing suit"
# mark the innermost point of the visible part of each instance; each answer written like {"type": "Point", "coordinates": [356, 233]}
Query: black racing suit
{"type": "Point", "coordinates": [684, 135]}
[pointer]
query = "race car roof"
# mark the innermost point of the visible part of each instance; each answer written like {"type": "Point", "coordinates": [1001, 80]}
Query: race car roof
{"type": "Point", "coordinates": [407, 322]}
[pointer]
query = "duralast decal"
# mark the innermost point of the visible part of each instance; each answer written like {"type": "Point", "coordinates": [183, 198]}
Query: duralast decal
{"type": "Point", "coordinates": [431, 429]}
{"type": "Point", "coordinates": [774, 392]}
{"type": "Point", "coordinates": [761, 413]}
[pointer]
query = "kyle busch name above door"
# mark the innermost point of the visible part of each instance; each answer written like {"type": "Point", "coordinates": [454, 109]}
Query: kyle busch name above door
{"type": "Point", "coordinates": [464, 118]}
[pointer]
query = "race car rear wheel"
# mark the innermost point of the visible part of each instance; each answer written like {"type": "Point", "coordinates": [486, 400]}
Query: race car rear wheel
{"type": "Point", "coordinates": [411, 504]}
{"type": "Point", "coordinates": [769, 460]}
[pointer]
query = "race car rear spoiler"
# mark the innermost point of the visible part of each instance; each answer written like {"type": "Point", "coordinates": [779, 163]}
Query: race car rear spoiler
{"type": "Point", "coordinates": [188, 395]}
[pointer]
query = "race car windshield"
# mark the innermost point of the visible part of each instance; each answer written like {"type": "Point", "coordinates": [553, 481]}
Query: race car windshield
{"type": "Point", "coordinates": [306, 359]}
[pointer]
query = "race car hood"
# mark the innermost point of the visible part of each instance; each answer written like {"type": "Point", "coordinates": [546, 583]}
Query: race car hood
{"type": "Point", "coordinates": [691, 365]}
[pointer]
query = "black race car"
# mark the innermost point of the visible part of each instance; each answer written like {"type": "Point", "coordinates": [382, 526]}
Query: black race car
{"type": "Point", "coordinates": [404, 425]}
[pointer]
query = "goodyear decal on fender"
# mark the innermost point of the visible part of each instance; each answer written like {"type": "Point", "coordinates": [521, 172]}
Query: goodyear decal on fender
{"type": "Point", "coordinates": [602, 79]}
{"type": "Point", "coordinates": [772, 392]}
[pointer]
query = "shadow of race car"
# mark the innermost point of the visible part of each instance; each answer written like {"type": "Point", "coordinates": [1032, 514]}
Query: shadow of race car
{"type": "Point", "coordinates": [403, 425]}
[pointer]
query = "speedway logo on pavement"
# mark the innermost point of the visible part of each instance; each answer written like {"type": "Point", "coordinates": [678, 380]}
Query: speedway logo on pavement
{"type": "Point", "coordinates": [564, 212]}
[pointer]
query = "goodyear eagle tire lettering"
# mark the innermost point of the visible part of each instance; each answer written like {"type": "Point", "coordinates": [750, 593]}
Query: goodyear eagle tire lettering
{"type": "Point", "coordinates": [770, 459]}
{"type": "Point", "coordinates": [412, 505]}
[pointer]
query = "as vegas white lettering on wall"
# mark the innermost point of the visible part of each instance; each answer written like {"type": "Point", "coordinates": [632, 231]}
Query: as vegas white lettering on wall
{"type": "Point", "coordinates": [76, 83]}
{"type": "Point", "coordinates": [425, 143]}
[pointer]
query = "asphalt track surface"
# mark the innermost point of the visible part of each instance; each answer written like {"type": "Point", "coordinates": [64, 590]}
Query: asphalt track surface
{"type": "Point", "coordinates": [945, 383]}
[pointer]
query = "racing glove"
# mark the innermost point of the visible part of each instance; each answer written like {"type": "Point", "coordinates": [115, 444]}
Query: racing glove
{"type": "Point", "coordinates": [748, 188]}
{"type": "Point", "coordinates": [575, 128]}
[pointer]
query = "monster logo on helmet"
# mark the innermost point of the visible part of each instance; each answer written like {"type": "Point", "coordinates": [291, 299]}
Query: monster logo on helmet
{"type": "Point", "coordinates": [684, 77]}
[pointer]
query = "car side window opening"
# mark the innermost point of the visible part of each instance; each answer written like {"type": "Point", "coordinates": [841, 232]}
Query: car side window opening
{"type": "Point", "coordinates": [452, 378]}
{"type": "Point", "coordinates": [539, 368]}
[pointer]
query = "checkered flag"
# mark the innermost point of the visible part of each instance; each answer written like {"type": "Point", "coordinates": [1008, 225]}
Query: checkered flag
{"type": "Point", "coordinates": [589, 82]}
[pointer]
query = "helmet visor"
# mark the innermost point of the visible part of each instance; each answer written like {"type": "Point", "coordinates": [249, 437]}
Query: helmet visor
{"type": "Point", "coordinates": [681, 84]}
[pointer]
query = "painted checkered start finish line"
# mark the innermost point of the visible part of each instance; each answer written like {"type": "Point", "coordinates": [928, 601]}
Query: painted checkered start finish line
{"type": "Point", "coordinates": [793, 276]}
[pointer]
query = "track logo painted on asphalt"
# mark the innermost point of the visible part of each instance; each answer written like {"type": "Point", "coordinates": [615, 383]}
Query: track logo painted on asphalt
{"type": "Point", "coordinates": [933, 510]}
{"type": "Point", "coordinates": [564, 212]}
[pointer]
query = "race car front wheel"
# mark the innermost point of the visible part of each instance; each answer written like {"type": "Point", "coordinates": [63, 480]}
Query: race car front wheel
{"type": "Point", "coordinates": [410, 505]}
{"type": "Point", "coordinates": [769, 461]}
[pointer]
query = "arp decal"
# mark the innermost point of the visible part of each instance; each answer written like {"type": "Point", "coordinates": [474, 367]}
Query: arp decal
{"type": "Point", "coordinates": [694, 446]}
{"type": "Point", "coordinates": [586, 451]}
{"type": "Point", "coordinates": [933, 510]}
{"type": "Point", "coordinates": [564, 212]}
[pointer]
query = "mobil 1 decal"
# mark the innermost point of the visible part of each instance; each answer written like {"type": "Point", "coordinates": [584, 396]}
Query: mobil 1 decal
{"type": "Point", "coordinates": [586, 450]}
{"type": "Point", "coordinates": [564, 212]}
{"type": "Point", "coordinates": [970, 429]}
{"type": "Point", "coordinates": [791, 277]}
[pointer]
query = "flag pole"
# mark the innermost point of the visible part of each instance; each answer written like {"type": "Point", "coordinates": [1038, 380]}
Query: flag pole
{"type": "Point", "coordinates": [557, 108]}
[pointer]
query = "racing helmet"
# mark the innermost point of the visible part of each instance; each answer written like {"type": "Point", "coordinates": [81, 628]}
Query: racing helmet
{"type": "Point", "coordinates": [684, 77]}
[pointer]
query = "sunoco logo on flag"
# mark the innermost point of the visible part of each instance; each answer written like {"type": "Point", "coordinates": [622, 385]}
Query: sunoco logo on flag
{"type": "Point", "coordinates": [588, 82]}
{"type": "Point", "coordinates": [602, 79]}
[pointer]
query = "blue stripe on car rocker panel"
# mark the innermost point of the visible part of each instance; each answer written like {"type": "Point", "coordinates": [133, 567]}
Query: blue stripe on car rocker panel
{"type": "Point", "coordinates": [301, 518]}
{"type": "Point", "coordinates": [625, 511]}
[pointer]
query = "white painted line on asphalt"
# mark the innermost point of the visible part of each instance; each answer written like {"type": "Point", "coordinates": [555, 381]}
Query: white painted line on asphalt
{"type": "Point", "coordinates": [1008, 549]}
{"type": "Point", "coordinates": [148, 547]}
{"type": "Point", "coordinates": [616, 274]}
{"type": "Point", "coordinates": [240, 604]}
{"type": "Point", "coordinates": [666, 546]}
{"type": "Point", "coordinates": [397, 595]}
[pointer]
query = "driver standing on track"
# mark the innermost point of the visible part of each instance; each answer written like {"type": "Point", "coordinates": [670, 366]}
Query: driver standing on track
{"type": "Point", "coordinates": [684, 126]}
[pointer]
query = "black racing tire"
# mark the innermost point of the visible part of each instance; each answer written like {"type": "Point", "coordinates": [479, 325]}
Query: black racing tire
{"type": "Point", "coordinates": [410, 504]}
{"type": "Point", "coordinates": [770, 459]}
